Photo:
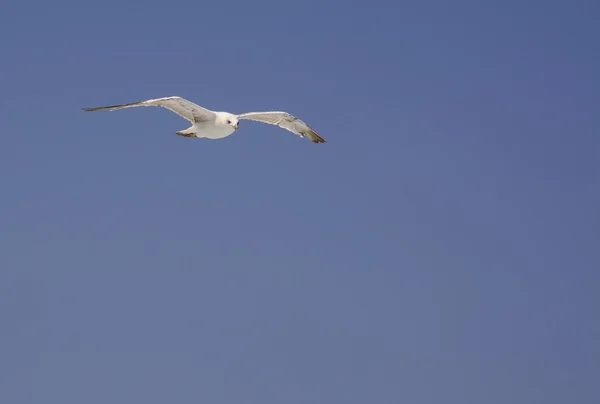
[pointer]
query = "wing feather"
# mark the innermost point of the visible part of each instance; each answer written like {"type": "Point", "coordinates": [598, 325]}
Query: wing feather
{"type": "Point", "coordinates": [285, 121]}
{"type": "Point", "coordinates": [184, 108]}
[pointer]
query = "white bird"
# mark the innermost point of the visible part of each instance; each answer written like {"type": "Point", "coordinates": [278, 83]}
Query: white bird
{"type": "Point", "coordinates": [217, 125]}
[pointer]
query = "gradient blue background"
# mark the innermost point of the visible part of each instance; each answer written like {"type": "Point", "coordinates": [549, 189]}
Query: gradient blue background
{"type": "Point", "coordinates": [443, 247]}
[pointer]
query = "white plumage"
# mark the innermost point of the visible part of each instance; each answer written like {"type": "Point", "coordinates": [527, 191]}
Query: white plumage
{"type": "Point", "coordinates": [217, 125]}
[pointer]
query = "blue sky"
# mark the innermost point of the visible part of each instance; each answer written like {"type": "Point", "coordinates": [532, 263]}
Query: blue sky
{"type": "Point", "coordinates": [441, 247]}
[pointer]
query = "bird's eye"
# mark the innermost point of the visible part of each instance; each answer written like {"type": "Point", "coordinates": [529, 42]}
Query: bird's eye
{"type": "Point", "coordinates": [228, 122]}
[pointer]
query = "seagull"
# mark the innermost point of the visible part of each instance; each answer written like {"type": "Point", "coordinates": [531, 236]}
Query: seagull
{"type": "Point", "coordinates": [216, 124]}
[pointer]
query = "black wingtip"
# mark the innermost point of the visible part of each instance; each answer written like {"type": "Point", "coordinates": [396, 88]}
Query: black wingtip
{"type": "Point", "coordinates": [315, 137]}
{"type": "Point", "coordinates": [318, 139]}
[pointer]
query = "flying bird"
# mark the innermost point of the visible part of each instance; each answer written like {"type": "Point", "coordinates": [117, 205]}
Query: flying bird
{"type": "Point", "coordinates": [215, 124]}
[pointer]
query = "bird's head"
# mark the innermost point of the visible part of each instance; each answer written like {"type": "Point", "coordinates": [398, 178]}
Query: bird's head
{"type": "Point", "coordinates": [232, 121]}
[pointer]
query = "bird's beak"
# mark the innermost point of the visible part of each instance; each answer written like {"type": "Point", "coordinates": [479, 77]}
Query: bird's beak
{"type": "Point", "coordinates": [235, 127]}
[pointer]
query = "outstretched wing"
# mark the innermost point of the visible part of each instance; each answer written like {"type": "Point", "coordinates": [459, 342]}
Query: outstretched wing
{"type": "Point", "coordinates": [285, 121]}
{"type": "Point", "coordinates": [184, 108]}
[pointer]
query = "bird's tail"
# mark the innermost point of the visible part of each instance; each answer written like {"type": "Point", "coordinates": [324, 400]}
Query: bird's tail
{"type": "Point", "coordinates": [189, 132]}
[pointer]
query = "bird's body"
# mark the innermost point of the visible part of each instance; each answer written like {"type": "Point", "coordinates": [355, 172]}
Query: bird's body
{"type": "Point", "coordinates": [217, 124]}
{"type": "Point", "coordinates": [218, 131]}
{"type": "Point", "coordinates": [216, 128]}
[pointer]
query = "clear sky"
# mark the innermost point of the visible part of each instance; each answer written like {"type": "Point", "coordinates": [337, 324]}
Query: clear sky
{"type": "Point", "coordinates": [442, 247]}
